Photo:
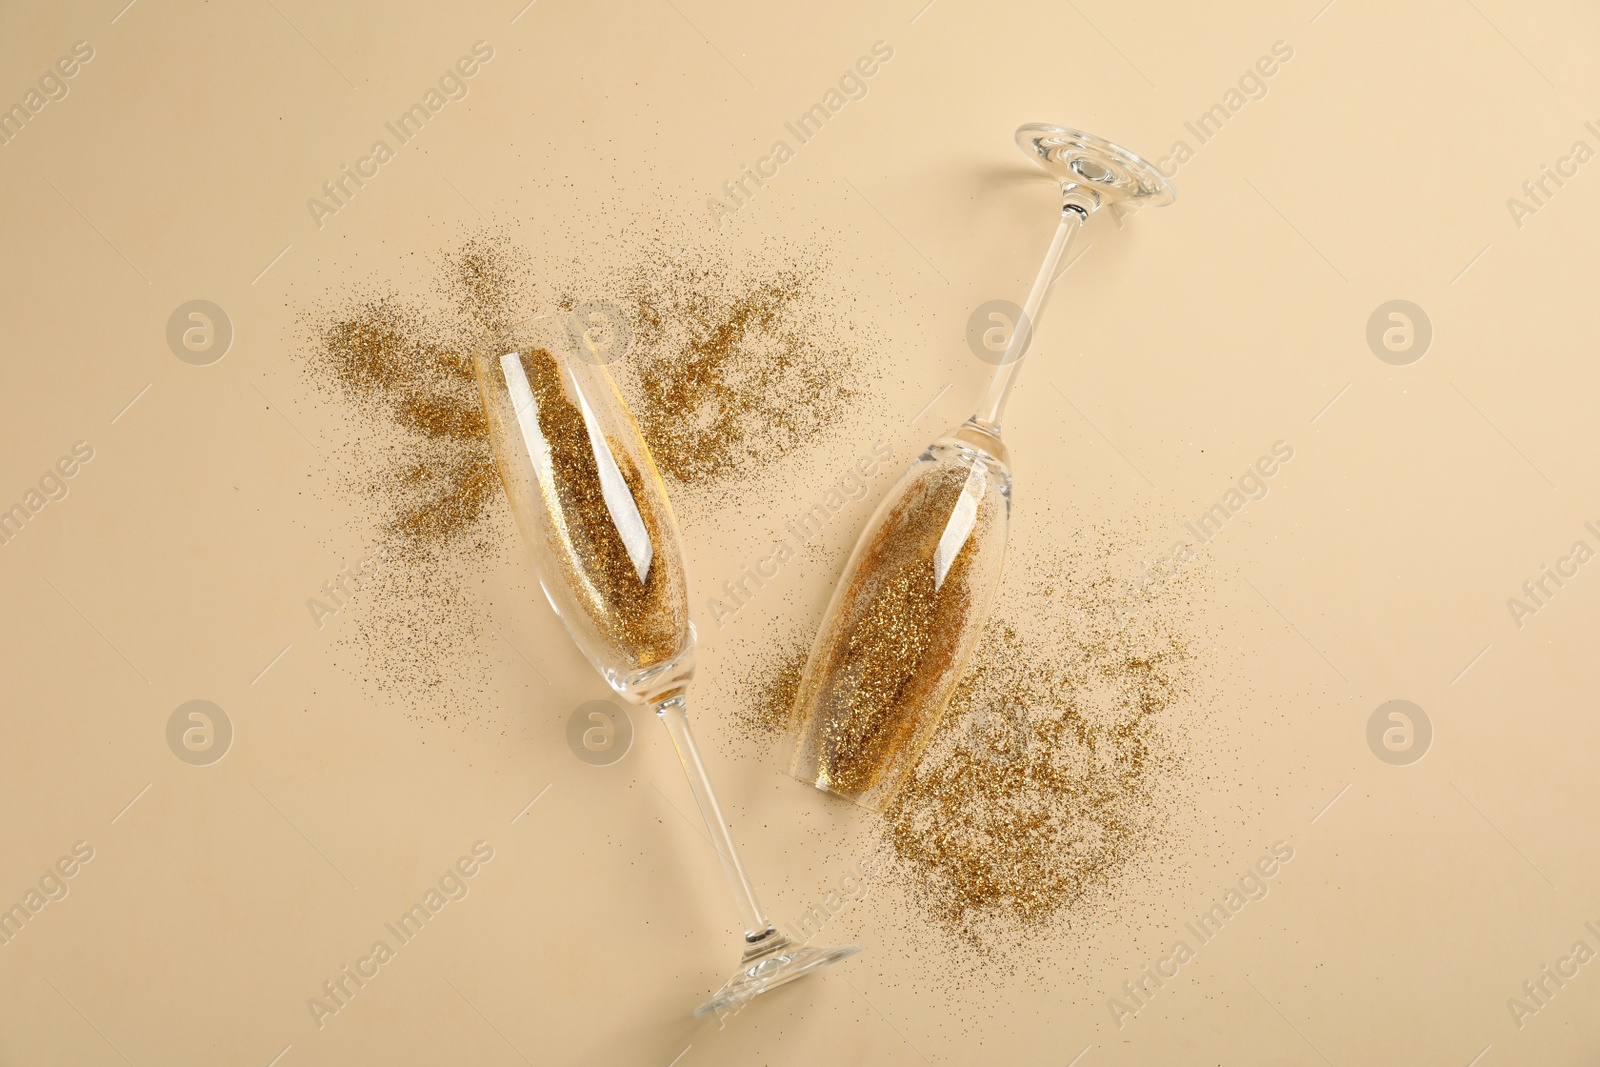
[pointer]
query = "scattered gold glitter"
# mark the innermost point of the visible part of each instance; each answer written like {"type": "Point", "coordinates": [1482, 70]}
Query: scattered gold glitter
{"type": "Point", "coordinates": [419, 460]}
{"type": "Point", "coordinates": [766, 698]}
{"type": "Point", "coordinates": [900, 630]}
{"type": "Point", "coordinates": [387, 359]}
{"type": "Point", "coordinates": [733, 370]}
{"type": "Point", "coordinates": [1056, 767]}
{"type": "Point", "coordinates": [491, 283]}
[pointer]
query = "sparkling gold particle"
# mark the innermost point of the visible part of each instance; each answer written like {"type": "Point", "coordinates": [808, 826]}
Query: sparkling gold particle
{"type": "Point", "coordinates": [387, 359]}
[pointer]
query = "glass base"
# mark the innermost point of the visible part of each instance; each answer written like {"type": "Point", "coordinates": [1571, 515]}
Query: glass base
{"type": "Point", "coordinates": [1088, 162]}
{"type": "Point", "coordinates": [775, 961]}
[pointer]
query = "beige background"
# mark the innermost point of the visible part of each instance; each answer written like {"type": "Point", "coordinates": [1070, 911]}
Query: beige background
{"type": "Point", "coordinates": [1376, 167]}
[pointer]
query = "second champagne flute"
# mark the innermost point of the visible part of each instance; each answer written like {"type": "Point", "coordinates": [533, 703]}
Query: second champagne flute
{"type": "Point", "coordinates": [915, 593]}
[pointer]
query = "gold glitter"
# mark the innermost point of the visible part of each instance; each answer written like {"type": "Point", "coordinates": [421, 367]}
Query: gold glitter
{"type": "Point", "coordinates": [1056, 766]}
{"type": "Point", "coordinates": [491, 284]}
{"type": "Point", "coordinates": [731, 370]}
{"type": "Point", "coordinates": [383, 357]}
{"type": "Point", "coordinates": [644, 621]}
{"type": "Point", "coordinates": [899, 633]}
{"type": "Point", "coordinates": [766, 698]}
{"type": "Point", "coordinates": [419, 463]}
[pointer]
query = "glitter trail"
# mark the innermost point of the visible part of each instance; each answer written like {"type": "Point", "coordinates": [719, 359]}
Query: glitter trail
{"type": "Point", "coordinates": [1057, 764]}
{"type": "Point", "coordinates": [735, 371]}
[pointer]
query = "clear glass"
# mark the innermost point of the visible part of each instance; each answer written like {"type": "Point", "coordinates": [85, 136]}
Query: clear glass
{"type": "Point", "coordinates": [904, 618]}
{"type": "Point", "coordinates": [592, 510]}
{"type": "Point", "coordinates": [915, 594]}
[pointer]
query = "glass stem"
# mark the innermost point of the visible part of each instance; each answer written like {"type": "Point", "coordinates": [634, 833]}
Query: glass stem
{"type": "Point", "coordinates": [674, 714]}
{"type": "Point", "coordinates": [994, 401]}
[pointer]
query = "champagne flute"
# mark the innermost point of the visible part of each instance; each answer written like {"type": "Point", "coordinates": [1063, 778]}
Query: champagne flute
{"type": "Point", "coordinates": [592, 510]}
{"type": "Point", "coordinates": [916, 591]}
